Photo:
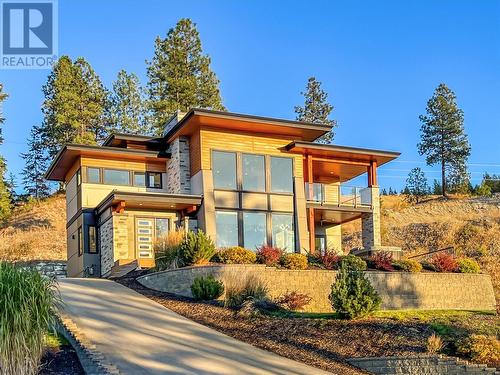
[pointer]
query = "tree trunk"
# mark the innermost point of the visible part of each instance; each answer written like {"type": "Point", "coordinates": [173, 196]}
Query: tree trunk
{"type": "Point", "coordinates": [443, 179]}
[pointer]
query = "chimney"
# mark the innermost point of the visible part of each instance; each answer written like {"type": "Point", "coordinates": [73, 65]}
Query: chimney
{"type": "Point", "coordinates": [173, 120]}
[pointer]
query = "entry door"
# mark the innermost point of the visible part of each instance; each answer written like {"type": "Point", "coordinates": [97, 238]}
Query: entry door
{"type": "Point", "coordinates": [145, 237]}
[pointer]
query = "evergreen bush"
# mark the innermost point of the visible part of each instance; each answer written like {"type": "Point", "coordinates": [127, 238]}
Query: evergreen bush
{"type": "Point", "coordinates": [207, 288]}
{"type": "Point", "coordinates": [408, 265]}
{"type": "Point", "coordinates": [353, 263]}
{"type": "Point", "coordinates": [468, 265]}
{"type": "Point", "coordinates": [352, 294]}
{"type": "Point", "coordinates": [196, 249]}
{"type": "Point", "coordinates": [235, 255]}
{"type": "Point", "coordinates": [294, 261]}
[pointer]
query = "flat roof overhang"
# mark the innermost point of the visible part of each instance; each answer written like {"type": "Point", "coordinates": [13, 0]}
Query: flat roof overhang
{"type": "Point", "coordinates": [135, 141]}
{"type": "Point", "coordinates": [337, 215]}
{"type": "Point", "coordinates": [332, 163]}
{"type": "Point", "coordinates": [67, 156]}
{"type": "Point", "coordinates": [172, 202]}
{"type": "Point", "coordinates": [237, 122]}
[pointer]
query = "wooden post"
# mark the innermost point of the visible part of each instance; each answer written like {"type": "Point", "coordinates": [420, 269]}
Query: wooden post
{"type": "Point", "coordinates": [310, 216]}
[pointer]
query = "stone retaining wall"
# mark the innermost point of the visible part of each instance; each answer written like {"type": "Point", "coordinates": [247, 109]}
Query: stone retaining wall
{"type": "Point", "coordinates": [419, 365]}
{"type": "Point", "coordinates": [49, 268]}
{"type": "Point", "coordinates": [398, 290]}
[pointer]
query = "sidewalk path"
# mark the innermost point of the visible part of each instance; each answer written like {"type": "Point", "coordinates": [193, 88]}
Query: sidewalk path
{"type": "Point", "coordinates": [139, 336]}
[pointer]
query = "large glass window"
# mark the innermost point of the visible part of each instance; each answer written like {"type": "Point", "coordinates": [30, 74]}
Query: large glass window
{"type": "Point", "coordinates": [281, 175]}
{"type": "Point", "coordinates": [162, 226]}
{"type": "Point", "coordinates": [139, 179]}
{"type": "Point", "coordinates": [282, 231]}
{"type": "Point", "coordinates": [92, 240]}
{"type": "Point", "coordinates": [93, 175]}
{"type": "Point", "coordinates": [116, 177]}
{"type": "Point", "coordinates": [227, 228]}
{"type": "Point", "coordinates": [254, 229]}
{"type": "Point", "coordinates": [224, 170]}
{"type": "Point", "coordinates": [154, 180]}
{"type": "Point", "coordinates": [254, 172]}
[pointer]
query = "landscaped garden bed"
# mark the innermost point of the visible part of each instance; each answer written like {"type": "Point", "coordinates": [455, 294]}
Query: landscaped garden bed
{"type": "Point", "coordinates": [59, 358]}
{"type": "Point", "coordinates": [323, 340]}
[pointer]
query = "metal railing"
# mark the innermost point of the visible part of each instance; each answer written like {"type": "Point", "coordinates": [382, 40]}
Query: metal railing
{"type": "Point", "coordinates": [338, 194]}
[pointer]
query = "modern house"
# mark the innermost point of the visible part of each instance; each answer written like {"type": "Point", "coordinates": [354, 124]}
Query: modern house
{"type": "Point", "coordinates": [244, 180]}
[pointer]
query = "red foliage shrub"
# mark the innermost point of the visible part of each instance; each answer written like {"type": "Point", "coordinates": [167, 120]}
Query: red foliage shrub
{"type": "Point", "coordinates": [330, 261]}
{"type": "Point", "coordinates": [293, 300]}
{"type": "Point", "coordinates": [382, 261]}
{"type": "Point", "coordinates": [444, 262]}
{"type": "Point", "coordinates": [268, 255]}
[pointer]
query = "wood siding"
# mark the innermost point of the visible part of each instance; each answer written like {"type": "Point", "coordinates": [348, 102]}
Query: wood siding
{"type": "Point", "coordinates": [250, 142]}
{"type": "Point", "coordinates": [160, 166]}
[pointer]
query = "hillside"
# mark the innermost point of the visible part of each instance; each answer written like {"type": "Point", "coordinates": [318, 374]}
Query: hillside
{"type": "Point", "coordinates": [470, 225]}
{"type": "Point", "coordinates": [36, 230]}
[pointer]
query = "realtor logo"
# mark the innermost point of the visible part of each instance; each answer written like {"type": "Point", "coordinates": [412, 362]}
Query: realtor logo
{"type": "Point", "coordinates": [29, 38]}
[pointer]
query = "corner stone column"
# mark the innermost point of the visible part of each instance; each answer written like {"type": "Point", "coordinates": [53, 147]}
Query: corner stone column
{"type": "Point", "coordinates": [370, 222]}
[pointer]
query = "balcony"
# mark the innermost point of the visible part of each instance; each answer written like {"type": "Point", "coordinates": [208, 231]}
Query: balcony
{"type": "Point", "coordinates": [338, 195]}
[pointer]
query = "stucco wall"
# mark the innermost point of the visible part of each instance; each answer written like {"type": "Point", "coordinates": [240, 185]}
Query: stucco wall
{"type": "Point", "coordinates": [398, 290]}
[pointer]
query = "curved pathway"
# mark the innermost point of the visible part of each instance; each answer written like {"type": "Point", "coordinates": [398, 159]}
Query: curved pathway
{"type": "Point", "coordinates": [139, 336]}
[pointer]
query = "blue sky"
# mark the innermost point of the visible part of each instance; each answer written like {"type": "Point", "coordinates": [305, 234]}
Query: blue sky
{"type": "Point", "coordinates": [379, 61]}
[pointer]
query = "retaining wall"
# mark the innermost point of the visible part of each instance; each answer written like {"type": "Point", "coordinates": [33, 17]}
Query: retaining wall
{"type": "Point", "coordinates": [50, 268]}
{"type": "Point", "coordinates": [398, 290]}
{"type": "Point", "coordinates": [419, 365]}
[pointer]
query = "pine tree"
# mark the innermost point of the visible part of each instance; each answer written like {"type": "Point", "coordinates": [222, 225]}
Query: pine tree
{"type": "Point", "coordinates": [3, 96]}
{"type": "Point", "coordinates": [416, 186]}
{"type": "Point", "coordinates": [443, 139]}
{"type": "Point", "coordinates": [74, 107]}
{"type": "Point", "coordinates": [437, 189]}
{"type": "Point", "coordinates": [5, 196]}
{"type": "Point", "coordinates": [127, 105]}
{"type": "Point", "coordinates": [36, 162]}
{"type": "Point", "coordinates": [180, 77]}
{"type": "Point", "coordinates": [316, 109]}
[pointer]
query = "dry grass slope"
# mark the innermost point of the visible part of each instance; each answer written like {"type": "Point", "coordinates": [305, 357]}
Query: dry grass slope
{"type": "Point", "coordinates": [36, 231]}
{"type": "Point", "coordinates": [470, 225]}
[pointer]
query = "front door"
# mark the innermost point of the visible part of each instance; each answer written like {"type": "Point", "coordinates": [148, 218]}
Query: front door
{"type": "Point", "coordinates": [144, 238]}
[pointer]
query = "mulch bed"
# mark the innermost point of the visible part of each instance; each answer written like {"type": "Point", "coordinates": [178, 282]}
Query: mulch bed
{"type": "Point", "coordinates": [61, 361]}
{"type": "Point", "coordinates": [323, 343]}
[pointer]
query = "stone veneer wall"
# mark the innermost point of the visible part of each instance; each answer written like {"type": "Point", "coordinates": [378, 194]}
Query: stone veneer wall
{"type": "Point", "coordinates": [418, 365]}
{"type": "Point", "coordinates": [106, 246]}
{"type": "Point", "coordinates": [398, 290]}
{"type": "Point", "coordinates": [178, 167]}
{"type": "Point", "coordinates": [370, 223]}
{"type": "Point", "coordinates": [50, 268]}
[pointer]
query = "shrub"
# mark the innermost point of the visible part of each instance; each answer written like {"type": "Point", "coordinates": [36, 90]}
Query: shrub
{"type": "Point", "coordinates": [240, 287]}
{"type": "Point", "coordinates": [235, 255]}
{"type": "Point", "coordinates": [353, 263]}
{"type": "Point", "coordinates": [268, 255]}
{"type": "Point", "coordinates": [382, 261]}
{"type": "Point", "coordinates": [352, 294]}
{"type": "Point", "coordinates": [444, 262]}
{"type": "Point", "coordinates": [434, 344]}
{"type": "Point", "coordinates": [196, 249]}
{"type": "Point", "coordinates": [294, 261]}
{"type": "Point", "coordinates": [481, 349]}
{"type": "Point", "coordinates": [166, 250]}
{"type": "Point", "coordinates": [293, 300]}
{"type": "Point", "coordinates": [207, 288]}
{"type": "Point", "coordinates": [330, 260]}
{"type": "Point", "coordinates": [27, 313]}
{"type": "Point", "coordinates": [253, 307]}
{"type": "Point", "coordinates": [468, 265]}
{"type": "Point", "coordinates": [408, 265]}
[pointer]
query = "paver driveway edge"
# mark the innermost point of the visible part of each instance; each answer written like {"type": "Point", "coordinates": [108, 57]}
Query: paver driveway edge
{"type": "Point", "coordinates": [140, 336]}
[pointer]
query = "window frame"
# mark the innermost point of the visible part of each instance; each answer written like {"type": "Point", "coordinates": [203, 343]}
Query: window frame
{"type": "Point", "coordinates": [80, 244]}
{"type": "Point", "coordinates": [267, 172]}
{"type": "Point", "coordinates": [87, 175]}
{"type": "Point", "coordinates": [133, 178]}
{"type": "Point", "coordinates": [115, 170]}
{"type": "Point", "coordinates": [148, 174]}
{"type": "Point", "coordinates": [89, 236]}
{"type": "Point", "coordinates": [236, 170]}
{"type": "Point", "coordinates": [242, 172]}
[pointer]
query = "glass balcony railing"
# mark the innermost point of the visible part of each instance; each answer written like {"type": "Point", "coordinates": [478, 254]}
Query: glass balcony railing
{"type": "Point", "coordinates": [339, 195]}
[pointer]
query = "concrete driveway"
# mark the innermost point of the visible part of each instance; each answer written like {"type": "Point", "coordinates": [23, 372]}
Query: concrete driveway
{"type": "Point", "coordinates": [139, 336]}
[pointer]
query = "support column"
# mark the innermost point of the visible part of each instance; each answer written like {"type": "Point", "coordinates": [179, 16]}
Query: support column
{"type": "Point", "coordinates": [310, 210]}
